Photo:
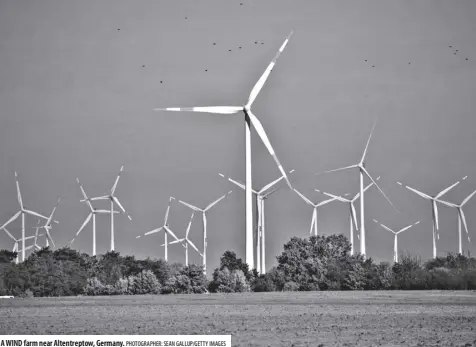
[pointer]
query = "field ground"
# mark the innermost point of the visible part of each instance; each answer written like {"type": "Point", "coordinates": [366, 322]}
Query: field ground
{"type": "Point", "coordinates": [396, 318]}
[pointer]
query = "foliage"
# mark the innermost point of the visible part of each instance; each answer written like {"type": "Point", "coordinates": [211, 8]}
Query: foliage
{"type": "Point", "coordinates": [189, 280]}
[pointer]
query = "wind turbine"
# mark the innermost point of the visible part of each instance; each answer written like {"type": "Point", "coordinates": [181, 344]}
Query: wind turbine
{"type": "Point", "coordinates": [165, 228]}
{"type": "Point", "coordinates": [15, 246]}
{"type": "Point", "coordinates": [395, 240]}
{"type": "Point", "coordinates": [250, 118]}
{"type": "Point", "coordinates": [314, 211]}
{"type": "Point", "coordinates": [113, 200]}
{"type": "Point", "coordinates": [204, 221]}
{"type": "Point", "coordinates": [88, 218]}
{"type": "Point", "coordinates": [461, 219]}
{"type": "Point", "coordinates": [353, 214]}
{"type": "Point", "coordinates": [362, 170]}
{"type": "Point", "coordinates": [434, 208]}
{"type": "Point", "coordinates": [47, 226]}
{"type": "Point", "coordinates": [23, 211]}
{"type": "Point", "coordinates": [261, 195]}
{"type": "Point", "coordinates": [186, 241]}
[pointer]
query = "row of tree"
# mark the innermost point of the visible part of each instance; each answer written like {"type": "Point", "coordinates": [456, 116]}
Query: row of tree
{"type": "Point", "coordinates": [306, 264]}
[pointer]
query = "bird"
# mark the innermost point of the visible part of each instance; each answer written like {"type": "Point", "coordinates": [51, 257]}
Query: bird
{"type": "Point", "coordinates": [185, 17]}
{"type": "Point", "coordinates": [366, 60]}
{"type": "Point", "coordinates": [239, 47]}
{"type": "Point", "coordinates": [241, 4]}
{"type": "Point", "coordinates": [450, 46]}
{"type": "Point", "coordinates": [457, 51]}
{"type": "Point", "coordinates": [373, 65]}
{"type": "Point", "coordinates": [466, 58]}
{"type": "Point", "coordinates": [206, 70]}
{"type": "Point", "coordinates": [143, 65]}
{"type": "Point", "coordinates": [160, 81]}
{"type": "Point", "coordinates": [214, 43]}
{"type": "Point", "coordinates": [229, 50]}
{"type": "Point", "coordinates": [256, 42]}
{"type": "Point", "coordinates": [409, 63]}
{"type": "Point", "coordinates": [118, 29]}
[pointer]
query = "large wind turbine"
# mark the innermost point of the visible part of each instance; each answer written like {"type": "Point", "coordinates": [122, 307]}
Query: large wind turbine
{"type": "Point", "coordinates": [92, 214]}
{"type": "Point", "coordinates": [461, 219]}
{"type": "Point", "coordinates": [204, 221]}
{"type": "Point", "coordinates": [395, 240]}
{"type": "Point", "coordinates": [249, 118]}
{"type": "Point", "coordinates": [23, 211]}
{"type": "Point", "coordinates": [353, 214]}
{"type": "Point", "coordinates": [15, 246]}
{"type": "Point", "coordinates": [165, 227]}
{"type": "Point", "coordinates": [113, 200]}
{"type": "Point", "coordinates": [362, 170]}
{"type": "Point", "coordinates": [434, 208]}
{"type": "Point", "coordinates": [261, 195]}
{"type": "Point", "coordinates": [186, 241]}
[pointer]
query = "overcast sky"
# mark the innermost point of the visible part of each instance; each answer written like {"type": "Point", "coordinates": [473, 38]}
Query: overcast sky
{"type": "Point", "coordinates": [77, 95]}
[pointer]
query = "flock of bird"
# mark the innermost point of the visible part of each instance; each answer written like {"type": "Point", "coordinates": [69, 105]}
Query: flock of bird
{"type": "Point", "coordinates": [255, 222]}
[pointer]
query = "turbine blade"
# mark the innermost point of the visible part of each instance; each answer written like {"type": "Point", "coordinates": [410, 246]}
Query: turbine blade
{"type": "Point", "coordinates": [190, 206]}
{"type": "Point", "coordinates": [368, 141]}
{"type": "Point", "coordinates": [303, 197]}
{"type": "Point", "coordinates": [86, 221]}
{"type": "Point", "coordinates": [84, 194]}
{"type": "Point", "coordinates": [443, 192]}
{"type": "Point", "coordinates": [153, 231]}
{"type": "Point", "coordinates": [194, 247]}
{"type": "Point", "coordinates": [365, 189]}
{"type": "Point", "coordinates": [117, 180]}
{"type": "Point", "coordinates": [467, 198]}
{"type": "Point", "coordinates": [325, 202]}
{"type": "Point", "coordinates": [217, 201]}
{"type": "Point", "coordinates": [384, 226]}
{"type": "Point", "coordinates": [18, 191]}
{"type": "Point", "coordinates": [170, 232]}
{"type": "Point", "coordinates": [9, 234]}
{"type": "Point", "coordinates": [206, 109]}
{"type": "Point", "coordinates": [262, 134]}
{"type": "Point", "coordinates": [116, 200]}
{"type": "Point", "coordinates": [53, 212]}
{"type": "Point", "coordinates": [259, 85]}
{"type": "Point", "coordinates": [48, 235]}
{"type": "Point", "coordinates": [333, 196]}
{"type": "Point", "coordinates": [189, 225]}
{"type": "Point", "coordinates": [339, 169]}
{"type": "Point", "coordinates": [450, 204]}
{"type": "Point", "coordinates": [269, 185]}
{"type": "Point", "coordinates": [269, 193]}
{"type": "Point", "coordinates": [15, 216]}
{"type": "Point", "coordinates": [463, 217]}
{"type": "Point", "coordinates": [406, 228]}
{"type": "Point", "coordinates": [168, 210]}
{"type": "Point", "coordinates": [381, 191]}
{"type": "Point", "coordinates": [35, 214]}
{"type": "Point", "coordinates": [104, 197]}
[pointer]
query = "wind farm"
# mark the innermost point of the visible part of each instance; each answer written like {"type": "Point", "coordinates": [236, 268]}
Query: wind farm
{"type": "Point", "coordinates": [331, 130]}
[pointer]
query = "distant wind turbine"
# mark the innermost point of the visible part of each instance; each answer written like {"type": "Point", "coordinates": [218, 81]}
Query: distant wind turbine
{"type": "Point", "coordinates": [92, 214]}
{"type": "Point", "coordinates": [461, 219]}
{"type": "Point", "coordinates": [23, 211]}
{"type": "Point", "coordinates": [15, 246]}
{"type": "Point", "coordinates": [395, 240]}
{"type": "Point", "coordinates": [353, 214]}
{"type": "Point", "coordinates": [113, 200]}
{"type": "Point", "coordinates": [204, 221]}
{"type": "Point", "coordinates": [261, 195]}
{"type": "Point", "coordinates": [250, 118]}
{"type": "Point", "coordinates": [47, 226]}
{"type": "Point", "coordinates": [165, 227]}
{"type": "Point", "coordinates": [186, 241]}
{"type": "Point", "coordinates": [434, 208]}
{"type": "Point", "coordinates": [362, 170]}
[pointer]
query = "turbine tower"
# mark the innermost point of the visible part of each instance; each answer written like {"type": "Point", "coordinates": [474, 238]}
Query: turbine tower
{"type": "Point", "coordinates": [395, 240]}
{"type": "Point", "coordinates": [165, 227]}
{"type": "Point", "coordinates": [204, 221]}
{"type": "Point", "coordinates": [15, 246]}
{"type": "Point", "coordinates": [92, 214]}
{"type": "Point", "coordinates": [23, 211]}
{"type": "Point", "coordinates": [353, 214]}
{"type": "Point", "coordinates": [113, 200]}
{"type": "Point", "coordinates": [250, 118]}
{"type": "Point", "coordinates": [434, 208]}
{"type": "Point", "coordinates": [461, 219]}
{"type": "Point", "coordinates": [186, 241]}
{"type": "Point", "coordinates": [261, 195]}
{"type": "Point", "coordinates": [362, 170]}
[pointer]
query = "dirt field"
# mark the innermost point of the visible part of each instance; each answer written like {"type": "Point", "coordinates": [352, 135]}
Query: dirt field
{"type": "Point", "coordinates": [260, 319]}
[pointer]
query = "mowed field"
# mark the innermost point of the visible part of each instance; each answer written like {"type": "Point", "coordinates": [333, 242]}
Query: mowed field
{"type": "Point", "coordinates": [411, 318]}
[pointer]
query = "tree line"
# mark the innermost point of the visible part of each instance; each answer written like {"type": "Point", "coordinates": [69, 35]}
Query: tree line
{"type": "Point", "coordinates": [305, 264]}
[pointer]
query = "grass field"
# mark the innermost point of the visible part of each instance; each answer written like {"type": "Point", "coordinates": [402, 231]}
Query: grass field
{"type": "Point", "coordinates": [416, 318]}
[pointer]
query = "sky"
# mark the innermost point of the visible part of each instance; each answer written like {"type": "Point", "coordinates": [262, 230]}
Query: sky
{"type": "Point", "coordinates": [79, 82]}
